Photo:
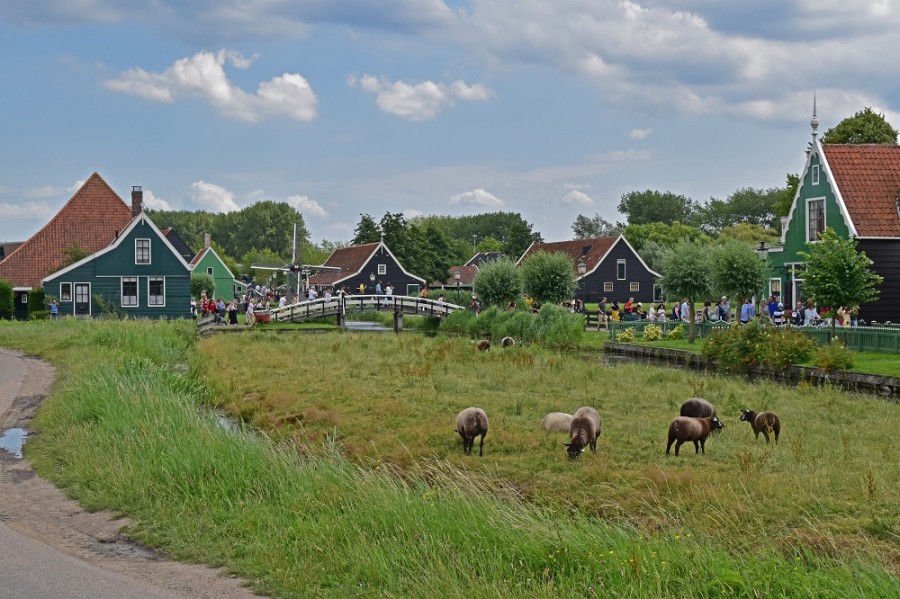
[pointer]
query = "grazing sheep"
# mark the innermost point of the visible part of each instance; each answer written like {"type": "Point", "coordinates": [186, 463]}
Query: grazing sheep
{"type": "Point", "coordinates": [556, 422]}
{"type": "Point", "coordinates": [583, 431]}
{"type": "Point", "coordinates": [507, 342]}
{"type": "Point", "coordinates": [762, 422]}
{"type": "Point", "coordinates": [697, 407]}
{"type": "Point", "coordinates": [686, 428]}
{"type": "Point", "coordinates": [483, 345]}
{"type": "Point", "coordinates": [471, 423]}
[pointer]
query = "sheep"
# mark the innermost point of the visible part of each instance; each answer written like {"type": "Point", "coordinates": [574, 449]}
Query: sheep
{"type": "Point", "coordinates": [507, 342]}
{"type": "Point", "coordinates": [584, 430]}
{"type": "Point", "coordinates": [762, 422]}
{"type": "Point", "coordinates": [556, 422]}
{"type": "Point", "coordinates": [483, 345]}
{"type": "Point", "coordinates": [471, 423]}
{"type": "Point", "coordinates": [687, 428]}
{"type": "Point", "coordinates": [697, 407]}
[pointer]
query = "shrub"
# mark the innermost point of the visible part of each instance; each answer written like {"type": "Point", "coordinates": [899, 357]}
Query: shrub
{"type": "Point", "coordinates": [39, 315]}
{"type": "Point", "coordinates": [549, 278]}
{"type": "Point", "coordinates": [556, 327]}
{"type": "Point", "coordinates": [519, 325]}
{"type": "Point", "coordinates": [6, 299]}
{"type": "Point", "coordinates": [740, 346]}
{"type": "Point", "coordinates": [784, 347]}
{"type": "Point", "coordinates": [626, 336]}
{"type": "Point", "coordinates": [499, 282]}
{"type": "Point", "coordinates": [834, 356]}
{"type": "Point", "coordinates": [36, 302]}
{"type": "Point", "coordinates": [652, 332]}
{"type": "Point", "coordinates": [482, 325]}
{"type": "Point", "coordinates": [676, 333]}
{"type": "Point", "coordinates": [457, 322]}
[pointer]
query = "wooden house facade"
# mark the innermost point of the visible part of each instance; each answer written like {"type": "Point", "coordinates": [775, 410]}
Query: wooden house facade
{"type": "Point", "coordinates": [368, 264]}
{"type": "Point", "coordinates": [209, 262]}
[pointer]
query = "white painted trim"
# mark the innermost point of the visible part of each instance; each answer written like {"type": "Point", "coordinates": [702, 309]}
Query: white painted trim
{"type": "Point", "coordinates": [71, 292]}
{"type": "Point", "coordinates": [623, 262]}
{"type": "Point", "coordinates": [163, 304]}
{"type": "Point", "coordinates": [90, 294]}
{"type": "Point", "coordinates": [837, 193]}
{"type": "Point", "coordinates": [380, 244]}
{"type": "Point", "coordinates": [525, 253]}
{"type": "Point", "coordinates": [149, 251]}
{"type": "Point", "coordinates": [824, 216]}
{"type": "Point", "coordinates": [137, 292]}
{"type": "Point", "coordinates": [815, 174]}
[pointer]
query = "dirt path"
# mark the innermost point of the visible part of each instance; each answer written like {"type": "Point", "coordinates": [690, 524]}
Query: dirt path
{"type": "Point", "coordinates": [36, 509]}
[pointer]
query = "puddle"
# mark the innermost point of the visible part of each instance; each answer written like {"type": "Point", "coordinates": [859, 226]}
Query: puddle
{"type": "Point", "coordinates": [362, 325]}
{"type": "Point", "coordinates": [227, 423]}
{"type": "Point", "coordinates": [12, 441]}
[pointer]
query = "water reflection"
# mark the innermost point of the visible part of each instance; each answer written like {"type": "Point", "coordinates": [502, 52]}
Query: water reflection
{"type": "Point", "coordinates": [12, 441]}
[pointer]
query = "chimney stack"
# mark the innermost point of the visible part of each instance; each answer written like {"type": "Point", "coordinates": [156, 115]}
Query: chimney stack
{"type": "Point", "coordinates": [137, 200]}
{"type": "Point", "coordinates": [207, 240]}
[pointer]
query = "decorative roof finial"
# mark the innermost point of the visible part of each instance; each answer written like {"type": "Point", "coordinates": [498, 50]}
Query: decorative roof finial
{"type": "Point", "coordinates": [814, 123]}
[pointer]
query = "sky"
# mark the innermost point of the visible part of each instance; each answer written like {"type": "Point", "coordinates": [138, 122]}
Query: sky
{"type": "Point", "coordinates": [549, 109]}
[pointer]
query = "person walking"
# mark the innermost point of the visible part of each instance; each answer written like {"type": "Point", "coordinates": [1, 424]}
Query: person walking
{"type": "Point", "coordinates": [747, 311]}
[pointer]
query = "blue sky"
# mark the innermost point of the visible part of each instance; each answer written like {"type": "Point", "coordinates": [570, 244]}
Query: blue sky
{"type": "Point", "coordinates": [339, 107]}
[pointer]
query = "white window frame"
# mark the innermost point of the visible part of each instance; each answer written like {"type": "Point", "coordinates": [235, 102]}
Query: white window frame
{"type": "Point", "coordinates": [382, 269]}
{"type": "Point", "coordinates": [24, 297]}
{"type": "Point", "coordinates": [657, 293]}
{"type": "Point", "coordinates": [623, 275]}
{"type": "Point", "coordinates": [815, 174]}
{"type": "Point", "coordinates": [607, 286]}
{"type": "Point", "coordinates": [137, 289]}
{"type": "Point", "coordinates": [150, 298]}
{"type": "Point", "coordinates": [137, 254]}
{"type": "Point", "coordinates": [634, 286]}
{"type": "Point", "coordinates": [62, 294]}
{"type": "Point", "coordinates": [776, 282]}
{"type": "Point", "coordinates": [810, 201]}
{"type": "Point", "coordinates": [209, 271]}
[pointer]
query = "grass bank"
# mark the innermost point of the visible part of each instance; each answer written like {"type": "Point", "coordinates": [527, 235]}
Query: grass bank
{"type": "Point", "coordinates": [123, 431]}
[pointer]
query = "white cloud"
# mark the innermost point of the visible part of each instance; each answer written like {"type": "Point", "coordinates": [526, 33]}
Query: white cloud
{"type": "Point", "coordinates": [577, 198]}
{"type": "Point", "coordinates": [640, 133]}
{"type": "Point", "coordinates": [203, 76]}
{"type": "Point", "coordinates": [418, 101]}
{"type": "Point", "coordinates": [43, 192]}
{"type": "Point", "coordinates": [215, 198]}
{"type": "Point", "coordinates": [155, 203]}
{"type": "Point", "coordinates": [411, 213]}
{"type": "Point", "coordinates": [307, 206]}
{"type": "Point", "coordinates": [26, 210]}
{"type": "Point", "coordinates": [476, 197]}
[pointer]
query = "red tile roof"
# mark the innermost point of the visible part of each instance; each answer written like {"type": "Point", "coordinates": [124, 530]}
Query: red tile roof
{"type": "Point", "coordinates": [593, 250]}
{"type": "Point", "coordinates": [90, 220]}
{"type": "Point", "coordinates": [868, 177]}
{"type": "Point", "coordinates": [467, 274]}
{"type": "Point", "coordinates": [349, 259]}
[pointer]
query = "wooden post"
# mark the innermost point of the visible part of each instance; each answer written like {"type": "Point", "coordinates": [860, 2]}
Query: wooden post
{"type": "Point", "coordinates": [398, 320]}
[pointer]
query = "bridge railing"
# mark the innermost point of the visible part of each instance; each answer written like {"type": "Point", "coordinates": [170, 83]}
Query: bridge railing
{"type": "Point", "coordinates": [362, 303]}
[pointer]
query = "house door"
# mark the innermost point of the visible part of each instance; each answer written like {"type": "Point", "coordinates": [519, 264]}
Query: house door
{"type": "Point", "coordinates": [82, 299]}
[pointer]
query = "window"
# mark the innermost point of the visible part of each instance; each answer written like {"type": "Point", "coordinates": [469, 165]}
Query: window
{"type": "Point", "coordinates": [775, 288]}
{"type": "Point", "coordinates": [65, 292]}
{"type": "Point", "coordinates": [129, 291]}
{"type": "Point", "coordinates": [815, 174]}
{"type": "Point", "coordinates": [657, 293]}
{"type": "Point", "coordinates": [607, 286]}
{"type": "Point", "coordinates": [620, 269]}
{"type": "Point", "coordinates": [142, 251]}
{"type": "Point", "coordinates": [209, 270]}
{"type": "Point", "coordinates": [815, 218]}
{"type": "Point", "coordinates": [382, 269]}
{"type": "Point", "coordinates": [24, 298]}
{"type": "Point", "coordinates": [156, 291]}
{"type": "Point", "coordinates": [633, 286]}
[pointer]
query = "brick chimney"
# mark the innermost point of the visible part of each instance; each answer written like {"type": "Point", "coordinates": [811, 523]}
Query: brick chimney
{"type": "Point", "coordinates": [207, 240]}
{"type": "Point", "coordinates": [137, 200]}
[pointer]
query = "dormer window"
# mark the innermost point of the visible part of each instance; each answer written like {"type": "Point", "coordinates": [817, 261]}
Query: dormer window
{"type": "Point", "coordinates": [815, 174]}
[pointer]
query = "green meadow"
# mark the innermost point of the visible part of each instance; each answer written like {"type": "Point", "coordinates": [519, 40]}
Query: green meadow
{"type": "Point", "coordinates": [348, 480]}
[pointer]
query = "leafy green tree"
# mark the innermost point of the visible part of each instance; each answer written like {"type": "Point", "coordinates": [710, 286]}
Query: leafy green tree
{"type": "Point", "coordinates": [737, 270]}
{"type": "Point", "coordinates": [837, 274]}
{"type": "Point", "coordinates": [74, 253]}
{"type": "Point", "coordinates": [748, 233]}
{"type": "Point", "coordinates": [6, 299]}
{"type": "Point", "coordinates": [201, 281]}
{"type": "Point", "coordinates": [651, 253]}
{"type": "Point", "coordinates": [783, 205]}
{"type": "Point", "coordinates": [499, 282]}
{"type": "Point", "coordinates": [549, 278]}
{"type": "Point", "coordinates": [514, 232]}
{"type": "Point", "coordinates": [230, 262]}
{"type": "Point", "coordinates": [366, 231]}
{"type": "Point", "coordinates": [489, 244]}
{"type": "Point", "coordinates": [439, 253]}
{"type": "Point", "coordinates": [686, 274]}
{"type": "Point", "coordinates": [263, 258]}
{"type": "Point", "coordinates": [746, 205]}
{"type": "Point", "coordinates": [644, 207]}
{"type": "Point", "coordinates": [594, 227]}
{"type": "Point", "coordinates": [663, 234]}
{"type": "Point", "coordinates": [864, 127]}
{"type": "Point", "coordinates": [267, 225]}
{"type": "Point", "coordinates": [519, 237]}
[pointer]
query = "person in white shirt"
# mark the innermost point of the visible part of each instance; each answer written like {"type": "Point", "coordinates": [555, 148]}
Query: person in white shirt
{"type": "Point", "coordinates": [389, 290]}
{"type": "Point", "coordinates": [282, 302]}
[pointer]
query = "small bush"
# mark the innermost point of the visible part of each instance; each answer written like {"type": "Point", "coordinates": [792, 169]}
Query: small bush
{"type": "Point", "coordinates": [39, 315]}
{"type": "Point", "coordinates": [457, 322]}
{"type": "Point", "coordinates": [556, 327]}
{"type": "Point", "coordinates": [519, 325]}
{"type": "Point", "coordinates": [626, 336]}
{"type": "Point", "coordinates": [652, 333]}
{"type": "Point", "coordinates": [740, 346]}
{"type": "Point", "coordinates": [834, 356]}
{"type": "Point", "coordinates": [676, 333]}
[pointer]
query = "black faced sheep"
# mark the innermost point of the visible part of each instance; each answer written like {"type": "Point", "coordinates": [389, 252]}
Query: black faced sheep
{"type": "Point", "coordinates": [686, 428]}
{"type": "Point", "coordinates": [507, 342]}
{"type": "Point", "coordinates": [483, 345]}
{"type": "Point", "coordinates": [556, 422]}
{"type": "Point", "coordinates": [697, 407]}
{"type": "Point", "coordinates": [763, 422]}
{"type": "Point", "coordinates": [583, 431]}
{"type": "Point", "coordinates": [471, 423]}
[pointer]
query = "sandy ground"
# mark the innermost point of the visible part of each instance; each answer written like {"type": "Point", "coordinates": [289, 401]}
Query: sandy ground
{"type": "Point", "coordinates": [36, 509]}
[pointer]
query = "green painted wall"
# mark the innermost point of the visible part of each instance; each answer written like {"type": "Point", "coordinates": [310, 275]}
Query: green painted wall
{"type": "Point", "coordinates": [223, 280]}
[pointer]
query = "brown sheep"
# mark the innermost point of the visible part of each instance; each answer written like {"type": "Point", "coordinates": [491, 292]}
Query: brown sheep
{"type": "Point", "coordinates": [471, 423]}
{"type": "Point", "coordinates": [583, 431]}
{"type": "Point", "coordinates": [697, 407]}
{"type": "Point", "coordinates": [763, 422]}
{"type": "Point", "coordinates": [556, 422]}
{"type": "Point", "coordinates": [483, 345]}
{"type": "Point", "coordinates": [507, 342]}
{"type": "Point", "coordinates": [686, 428]}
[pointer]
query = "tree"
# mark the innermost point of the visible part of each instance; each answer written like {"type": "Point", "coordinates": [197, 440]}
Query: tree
{"type": "Point", "coordinates": [746, 205]}
{"type": "Point", "coordinates": [263, 258]}
{"type": "Point", "coordinates": [786, 197]}
{"type": "Point", "coordinates": [489, 244]}
{"type": "Point", "coordinates": [499, 282]}
{"type": "Point", "coordinates": [644, 207]}
{"type": "Point", "coordinates": [664, 235]}
{"type": "Point", "coordinates": [549, 278]}
{"type": "Point", "coordinates": [596, 226]}
{"type": "Point", "coordinates": [837, 275]}
{"type": "Point", "coordinates": [864, 127]}
{"type": "Point", "coordinates": [519, 237]}
{"type": "Point", "coordinates": [6, 299]}
{"type": "Point", "coordinates": [230, 263]}
{"type": "Point", "coordinates": [265, 225]}
{"type": "Point", "coordinates": [737, 271]}
{"type": "Point", "coordinates": [366, 231]}
{"type": "Point", "coordinates": [74, 253]}
{"type": "Point", "coordinates": [748, 233]}
{"type": "Point", "coordinates": [686, 274]}
{"type": "Point", "coordinates": [200, 281]}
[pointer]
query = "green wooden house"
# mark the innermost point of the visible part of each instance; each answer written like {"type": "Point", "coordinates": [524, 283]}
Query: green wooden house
{"type": "Point", "coordinates": [209, 262]}
{"type": "Point", "coordinates": [140, 274]}
{"type": "Point", "coordinates": [855, 190]}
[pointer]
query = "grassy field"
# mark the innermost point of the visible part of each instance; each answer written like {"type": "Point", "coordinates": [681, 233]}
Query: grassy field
{"type": "Point", "coordinates": [359, 486]}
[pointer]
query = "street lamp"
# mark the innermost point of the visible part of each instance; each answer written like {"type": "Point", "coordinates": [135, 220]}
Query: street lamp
{"type": "Point", "coordinates": [372, 280]}
{"type": "Point", "coordinates": [582, 268]}
{"type": "Point", "coordinates": [457, 275]}
{"type": "Point", "coordinates": [762, 251]}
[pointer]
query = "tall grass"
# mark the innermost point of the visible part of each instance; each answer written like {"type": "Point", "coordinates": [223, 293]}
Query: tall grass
{"type": "Point", "coordinates": [124, 431]}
